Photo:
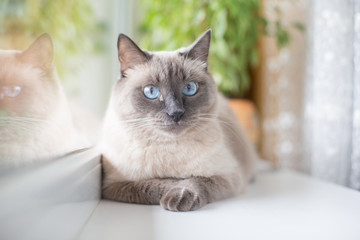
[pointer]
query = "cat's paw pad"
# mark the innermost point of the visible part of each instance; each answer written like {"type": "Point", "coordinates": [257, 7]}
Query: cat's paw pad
{"type": "Point", "coordinates": [181, 200]}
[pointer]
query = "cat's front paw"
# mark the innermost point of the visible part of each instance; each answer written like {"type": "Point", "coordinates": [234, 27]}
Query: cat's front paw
{"type": "Point", "coordinates": [182, 199]}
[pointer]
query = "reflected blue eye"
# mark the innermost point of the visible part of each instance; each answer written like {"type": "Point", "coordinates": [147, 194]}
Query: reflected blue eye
{"type": "Point", "coordinates": [151, 92]}
{"type": "Point", "coordinates": [10, 91]}
{"type": "Point", "coordinates": [190, 89]}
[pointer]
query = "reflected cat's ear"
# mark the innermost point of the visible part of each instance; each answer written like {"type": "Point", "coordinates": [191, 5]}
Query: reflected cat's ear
{"type": "Point", "coordinates": [40, 53]}
{"type": "Point", "coordinates": [129, 53]}
{"type": "Point", "coordinates": [199, 50]}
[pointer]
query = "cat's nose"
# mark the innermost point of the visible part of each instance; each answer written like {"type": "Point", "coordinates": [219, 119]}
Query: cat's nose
{"type": "Point", "coordinates": [176, 115]}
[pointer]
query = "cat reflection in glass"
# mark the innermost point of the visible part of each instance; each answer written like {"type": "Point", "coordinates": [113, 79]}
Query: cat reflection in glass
{"type": "Point", "coordinates": [169, 137]}
{"type": "Point", "coordinates": [35, 119]}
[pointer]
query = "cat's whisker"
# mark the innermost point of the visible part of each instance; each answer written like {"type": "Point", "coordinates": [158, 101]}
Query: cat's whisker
{"type": "Point", "coordinates": [139, 123]}
{"type": "Point", "coordinates": [208, 114]}
{"type": "Point", "coordinates": [215, 120]}
{"type": "Point", "coordinates": [205, 132]}
{"type": "Point", "coordinates": [20, 126]}
{"type": "Point", "coordinates": [135, 120]}
{"type": "Point", "coordinates": [132, 125]}
{"type": "Point", "coordinates": [11, 123]}
{"type": "Point", "coordinates": [24, 126]}
{"type": "Point", "coordinates": [24, 119]}
{"type": "Point", "coordinates": [227, 125]}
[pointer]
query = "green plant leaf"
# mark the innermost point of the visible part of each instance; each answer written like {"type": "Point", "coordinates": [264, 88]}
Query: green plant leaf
{"type": "Point", "coordinates": [237, 26]}
{"type": "Point", "coordinates": [299, 26]}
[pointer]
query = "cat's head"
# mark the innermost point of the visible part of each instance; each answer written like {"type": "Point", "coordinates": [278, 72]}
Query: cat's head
{"type": "Point", "coordinates": [28, 83]}
{"type": "Point", "coordinates": [29, 90]}
{"type": "Point", "coordinates": [166, 91]}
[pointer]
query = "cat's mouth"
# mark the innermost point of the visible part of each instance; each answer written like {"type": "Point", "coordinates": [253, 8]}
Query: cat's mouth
{"type": "Point", "coordinates": [175, 127]}
{"type": "Point", "coordinates": [172, 125]}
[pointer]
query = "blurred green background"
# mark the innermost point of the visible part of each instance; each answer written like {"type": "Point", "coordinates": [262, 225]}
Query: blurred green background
{"type": "Point", "coordinates": [237, 27]}
{"type": "Point", "coordinates": [155, 24]}
{"type": "Point", "coordinates": [72, 25]}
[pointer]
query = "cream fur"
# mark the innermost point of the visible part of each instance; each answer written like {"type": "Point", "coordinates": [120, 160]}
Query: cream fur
{"type": "Point", "coordinates": [159, 156]}
{"type": "Point", "coordinates": [206, 147]}
{"type": "Point", "coordinates": [178, 150]}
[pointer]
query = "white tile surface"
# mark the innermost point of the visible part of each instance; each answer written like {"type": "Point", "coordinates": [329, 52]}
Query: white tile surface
{"type": "Point", "coordinates": [279, 205]}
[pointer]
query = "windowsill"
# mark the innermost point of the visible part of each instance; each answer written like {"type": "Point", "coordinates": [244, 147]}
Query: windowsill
{"type": "Point", "coordinates": [279, 205]}
{"type": "Point", "coordinates": [60, 200]}
{"type": "Point", "coordinates": [50, 200]}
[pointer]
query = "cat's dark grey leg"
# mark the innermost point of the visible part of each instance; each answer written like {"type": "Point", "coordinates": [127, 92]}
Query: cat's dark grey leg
{"type": "Point", "coordinates": [171, 193]}
{"type": "Point", "coordinates": [194, 193]}
{"type": "Point", "coordinates": [143, 192]}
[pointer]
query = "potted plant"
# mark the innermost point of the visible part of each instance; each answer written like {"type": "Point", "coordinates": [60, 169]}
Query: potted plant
{"type": "Point", "coordinates": [237, 27]}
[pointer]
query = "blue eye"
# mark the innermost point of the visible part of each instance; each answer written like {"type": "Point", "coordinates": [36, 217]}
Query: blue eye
{"type": "Point", "coordinates": [151, 92]}
{"type": "Point", "coordinates": [189, 89]}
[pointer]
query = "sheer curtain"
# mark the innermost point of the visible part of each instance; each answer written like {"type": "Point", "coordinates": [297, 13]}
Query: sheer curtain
{"type": "Point", "coordinates": [311, 106]}
{"type": "Point", "coordinates": [331, 96]}
{"type": "Point", "coordinates": [280, 89]}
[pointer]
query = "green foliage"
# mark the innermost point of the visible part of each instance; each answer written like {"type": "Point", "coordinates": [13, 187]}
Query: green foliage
{"type": "Point", "coordinates": [237, 26]}
{"type": "Point", "coordinates": [72, 25]}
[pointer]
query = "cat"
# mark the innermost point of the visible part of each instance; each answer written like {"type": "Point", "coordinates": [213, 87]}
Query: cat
{"type": "Point", "coordinates": [169, 137]}
{"type": "Point", "coordinates": [35, 119]}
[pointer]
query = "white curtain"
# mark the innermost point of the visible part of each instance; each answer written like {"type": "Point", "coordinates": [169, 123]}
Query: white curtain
{"type": "Point", "coordinates": [281, 88]}
{"type": "Point", "coordinates": [331, 127]}
{"type": "Point", "coordinates": [311, 91]}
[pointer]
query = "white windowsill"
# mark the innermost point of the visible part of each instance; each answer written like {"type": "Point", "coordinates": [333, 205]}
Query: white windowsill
{"type": "Point", "coordinates": [51, 200]}
{"type": "Point", "coordinates": [279, 205]}
{"type": "Point", "coordinates": [60, 200]}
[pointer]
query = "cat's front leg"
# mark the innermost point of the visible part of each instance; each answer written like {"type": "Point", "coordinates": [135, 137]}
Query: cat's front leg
{"type": "Point", "coordinates": [144, 192]}
{"type": "Point", "coordinates": [193, 193]}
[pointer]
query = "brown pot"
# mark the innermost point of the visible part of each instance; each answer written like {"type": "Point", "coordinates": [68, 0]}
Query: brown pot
{"type": "Point", "coordinates": [246, 113]}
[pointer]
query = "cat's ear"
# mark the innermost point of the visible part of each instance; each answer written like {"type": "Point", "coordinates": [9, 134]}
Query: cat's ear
{"type": "Point", "coordinates": [40, 53]}
{"type": "Point", "coordinates": [129, 53]}
{"type": "Point", "coordinates": [199, 50]}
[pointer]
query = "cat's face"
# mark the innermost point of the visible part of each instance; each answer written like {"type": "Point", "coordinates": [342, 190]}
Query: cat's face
{"type": "Point", "coordinates": [28, 87]}
{"type": "Point", "coordinates": [165, 91]}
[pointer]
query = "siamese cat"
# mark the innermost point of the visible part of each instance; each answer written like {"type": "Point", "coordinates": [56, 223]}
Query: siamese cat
{"type": "Point", "coordinates": [169, 137]}
{"type": "Point", "coordinates": [35, 119]}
